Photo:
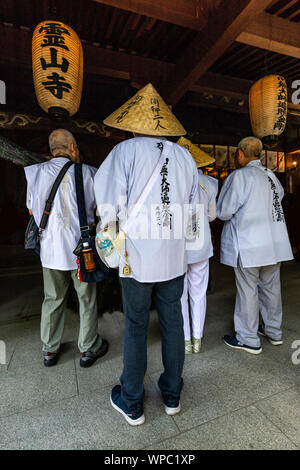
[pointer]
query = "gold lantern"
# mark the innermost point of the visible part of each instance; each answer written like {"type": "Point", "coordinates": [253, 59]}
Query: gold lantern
{"type": "Point", "coordinates": [57, 63]}
{"type": "Point", "coordinates": [268, 108]}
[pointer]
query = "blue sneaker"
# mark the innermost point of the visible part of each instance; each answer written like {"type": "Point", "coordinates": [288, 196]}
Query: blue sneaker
{"type": "Point", "coordinates": [232, 342]}
{"type": "Point", "coordinates": [275, 342]}
{"type": "Point", "coordinates": [172, 405]}
{"type": "Point", "coordinates": [133, 417]}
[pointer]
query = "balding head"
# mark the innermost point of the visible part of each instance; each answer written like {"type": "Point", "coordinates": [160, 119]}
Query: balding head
{"type": "Point", "coordinates": [249, 148]}
{"type": "Point", "coordinates": [62, 142]}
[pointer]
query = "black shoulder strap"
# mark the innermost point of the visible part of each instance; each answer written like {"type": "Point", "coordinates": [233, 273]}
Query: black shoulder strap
{"type": "Point", "coordinates": [84, 228]}
{"type": "Point", "coordinates": [51, 196]}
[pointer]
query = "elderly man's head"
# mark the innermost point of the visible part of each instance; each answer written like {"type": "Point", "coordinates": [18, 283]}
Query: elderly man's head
{"type": "Point", "coordinates": [249, 148]}
{"type": "Point", "coordinates": [62, 143]}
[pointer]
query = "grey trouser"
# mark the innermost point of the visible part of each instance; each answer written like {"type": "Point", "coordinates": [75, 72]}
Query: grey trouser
{"type": "Point", "coordinates": [258, 289]}
{"type": "Point", "coordinates": [56, 285]}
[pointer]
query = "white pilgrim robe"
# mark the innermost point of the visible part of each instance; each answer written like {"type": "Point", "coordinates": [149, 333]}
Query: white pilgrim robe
{"type": "Point", "coordinates": [62, 232]}
{"type": "Point", "coordinates": [255, 228]}
{"type": "Point", "coordinates": [208, 190]}
{"type": "Point", "coordinates": [155, 242]}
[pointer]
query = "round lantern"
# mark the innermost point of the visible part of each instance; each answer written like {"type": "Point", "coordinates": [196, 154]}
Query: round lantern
{"type": "Point", "coordinates": [57, 63]}
{"type": "Point", "coordinates": [268, 108]}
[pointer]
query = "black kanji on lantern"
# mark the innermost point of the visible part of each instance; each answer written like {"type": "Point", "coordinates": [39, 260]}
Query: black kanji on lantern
{"type": "Point", "coordinates": [54, 63]}
{"type": "Point", "coordinates": [280, 123]}
{"type": "Point", "coordinates": [54, 35]}
{"type": "Point", "coordinates": [57, 85]}
{"type": "Point", "coordinates": [282, 103]}
{"type": "Point", "coordinates": [281, 108]}
{"type": "Point", "coordinates": [55, 41]}
{"type": "Point", "coordinates": [54, 29]}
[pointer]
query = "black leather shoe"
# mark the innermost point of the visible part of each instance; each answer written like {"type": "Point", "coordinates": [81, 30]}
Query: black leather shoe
{"type": "Point", "coordinates": [88, 358]}
{"type": "Point", "coordinates": [50, 359]}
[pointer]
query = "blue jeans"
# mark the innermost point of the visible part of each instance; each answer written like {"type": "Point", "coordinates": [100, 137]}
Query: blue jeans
{"type": "Point", "coordinates": [137, 299]}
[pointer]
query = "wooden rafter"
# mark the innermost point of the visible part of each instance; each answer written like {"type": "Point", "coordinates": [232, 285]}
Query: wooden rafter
{"type": "Point", "coordinates": [97, 60]}
{"type": "Point", "coordinates": [273, 33]}
{"type": "Point", "coordinates": [286, 8]}
{"type": "Point", "coordinates": [190, 14]}
{"type": "Point", "coordinates": [219, 84]}
{"type": "Point", "coordinates": [105, 62]}
{"type": "Point", "coordinates": [228, 22]}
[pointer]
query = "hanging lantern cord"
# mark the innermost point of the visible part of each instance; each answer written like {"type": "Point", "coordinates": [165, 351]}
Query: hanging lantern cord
{"type": "Point", "coordinates": [52, 10]}
{"type": "Point", "coordinates": [268, 69]}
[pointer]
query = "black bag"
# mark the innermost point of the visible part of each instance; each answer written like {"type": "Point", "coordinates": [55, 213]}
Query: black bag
{"type": "Point", "coordinates": [32, 239]}
{"type": "Point", "coordinates": [33, 231]}
{"type": "Point", "coordinates": [101, 271]}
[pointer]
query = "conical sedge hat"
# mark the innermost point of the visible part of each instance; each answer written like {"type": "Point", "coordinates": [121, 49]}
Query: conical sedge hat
{"type": "Point", "coordinates": [201, 158]}
{"type": "Point", "coordinates": [146, 113]}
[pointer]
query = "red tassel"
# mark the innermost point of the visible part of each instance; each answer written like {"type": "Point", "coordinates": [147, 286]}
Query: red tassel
{"type": "Point", "coordinates": [78, 270]}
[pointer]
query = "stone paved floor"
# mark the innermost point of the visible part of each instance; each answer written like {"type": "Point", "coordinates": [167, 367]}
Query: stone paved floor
{"type": "Point", "coordinates": [231, 400]}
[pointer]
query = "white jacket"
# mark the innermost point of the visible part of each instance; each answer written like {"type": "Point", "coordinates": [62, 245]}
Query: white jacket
{"type": "Point", "coordinates": [154, 252]}
{"type": "Point", "coordinates": [255, 228]}
{"type": "Point", "coordinates": [62, 232]}
{"type": "Point", "coordinates": [208, 190]}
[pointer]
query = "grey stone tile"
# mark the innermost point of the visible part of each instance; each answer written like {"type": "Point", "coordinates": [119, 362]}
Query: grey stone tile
{"type": "Point", "coordinates": [118, 318]}
{"type": "Point", "coordinates": [26, 299]}
{"type": "Point", "coordinates": [33, 386]}
{"type": "Point", "coordinates": [9, 348]}
{"type": "Point", "coordinates": [28, 357]}
{"type": "Point", "coordinates": [216, 385]}
{"type": "Point", "coordinates": [284, 411]}
{"type": "Point", "coordinates": [110, 327]}
{"type": "Point", "coordinates": [203, 401]}
{"type": "Point", "coordinates": [20, 330]}
{"type": "Point", "coordinates": [40, 402]}
{"type": "Point", "coordinates": [105, 371]}
{"type": "Point", "coordinates": [245, 429]}
{"type": "Point", "coordinates": [86, 422]}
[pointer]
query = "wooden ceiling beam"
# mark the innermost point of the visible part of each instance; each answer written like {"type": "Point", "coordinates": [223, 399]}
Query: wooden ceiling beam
{"type": "Point", "coordinates": [218, 84]}
{"type": "Point", "coordinates": [285, 8]}
{"type": "Point", "coordinates": [191, 14]}
{"type": "Point", "coordinates": [15, 46]}
{"type": "Point", "coordinates": [227, 23]}
{"type": "Point", "coordinates": [274, 34]}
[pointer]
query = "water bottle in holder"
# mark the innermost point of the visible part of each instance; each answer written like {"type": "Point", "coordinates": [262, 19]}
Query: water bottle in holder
{"type": "Point", "coordinates": [108, 250]}
{"type": "Point", "coordinates": [88, 257]}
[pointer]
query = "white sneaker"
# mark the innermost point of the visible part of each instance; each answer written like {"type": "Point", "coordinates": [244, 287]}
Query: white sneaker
{"type": "Point", "coordinates": [171, 410]}
{"type": "Point", "coordinates": [275, 342]}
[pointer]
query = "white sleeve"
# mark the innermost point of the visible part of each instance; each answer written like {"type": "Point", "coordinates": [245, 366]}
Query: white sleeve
{"type": "Point", "coordinates": [110, 186]}
{"type": "Point", "coordinates": [194, 195]}
{"type": "Point", "coordinates": [212, 211]}
{"type": "Point", "coordinates": [28, 199]}
{"type": "Point", "coordinates": [231, 196]}
{"type": "Point", "coordinates": [212, 204]}
{"type": "Point", "coordinates": [280, 190]}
